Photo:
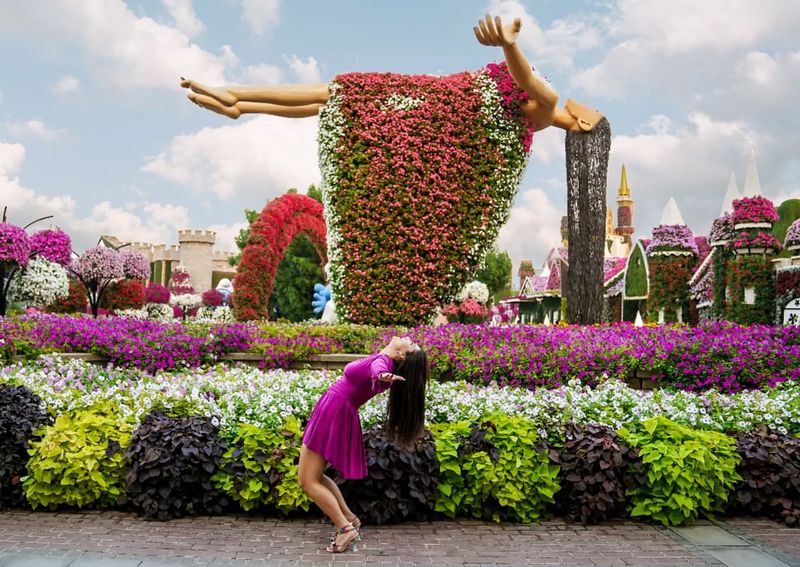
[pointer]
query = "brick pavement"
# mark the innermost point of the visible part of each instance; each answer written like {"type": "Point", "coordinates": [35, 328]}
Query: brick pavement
{"type": "Point", "coordinates": [252, 540]}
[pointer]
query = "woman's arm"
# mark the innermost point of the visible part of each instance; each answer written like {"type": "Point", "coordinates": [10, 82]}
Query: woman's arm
{"type": "Point", "coordinates": [493, 33]}
{"type": "Point", "coordinates": [381, 376]}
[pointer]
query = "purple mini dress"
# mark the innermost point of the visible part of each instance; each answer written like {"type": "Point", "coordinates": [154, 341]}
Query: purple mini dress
{"type": "Point", "coordinates": [334, 428]}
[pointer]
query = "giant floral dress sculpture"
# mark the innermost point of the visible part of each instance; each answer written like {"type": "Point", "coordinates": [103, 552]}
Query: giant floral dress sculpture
{"type": "Point", "coordinates": [419, 172]}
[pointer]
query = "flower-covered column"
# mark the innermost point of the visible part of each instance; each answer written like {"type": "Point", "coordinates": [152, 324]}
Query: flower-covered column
{"type": "Point", "coordinates": [672, 254]}
{"type": "Point", "coordinates": [720, 237]}
{"type": "Point", "coordinates": [751, 279]}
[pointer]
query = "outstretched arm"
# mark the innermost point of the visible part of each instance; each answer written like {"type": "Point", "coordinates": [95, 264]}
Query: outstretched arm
{"type": "Point", "coordinates": [492, 33]}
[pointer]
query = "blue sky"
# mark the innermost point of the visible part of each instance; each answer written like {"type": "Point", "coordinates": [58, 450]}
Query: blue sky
{"type": "Point", "coordinates": [95, 130]}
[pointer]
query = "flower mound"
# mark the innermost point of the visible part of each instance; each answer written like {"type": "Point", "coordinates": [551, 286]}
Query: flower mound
{"type": "Point", "coordinates": [53, 245]}
{"type": "Point", "coordinates": [281, 221]}
{"type": "Point", "coordinates": [721, 229]}
{"type": "Point", "coordinates": [15, 244]}
{"type": "Point", "coordinates": [672, 237]}
{"type": "Point", "coordinates": [419, 173]}
{"type": "Point", "coordinates": [754, 209]}
{"type": "Point", "coordinates": [793, 234]}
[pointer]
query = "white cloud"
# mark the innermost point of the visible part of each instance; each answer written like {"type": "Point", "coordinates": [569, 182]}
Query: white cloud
{"type": "Point", "coordinates": [183, 14]}
{"type": "Point", "coordinates": [682, 26]}
{"type": "Point", "coordinates": [533, 227]}
{"type": "Point", "coordinates": [36, 129]}
{"type": "Point", "coordinates": [307, 71]}
{"type": "Point", "coordinates": [264, 73]}
{"type": "Point", "coordinates": [548, 145]}
{"type": "Point", "coordinates": [123, 49]}
{"type": "Point", "coordinates": [226, 234]}
{"type": "Point", "coordinates": [691, 162]}
{"type": "Point", "coordinates": [260, 15]}
{"type": "Point", "coordinates": [555, 46]}
{"type": "Point", "coordinates": [66, 86]}
{"type": "Point", "coordinates": [157, 223]}
{"type": "Point", "coordinates": [262, 156]}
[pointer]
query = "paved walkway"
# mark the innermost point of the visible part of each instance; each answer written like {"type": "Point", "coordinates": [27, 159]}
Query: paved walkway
{"type": "Point", "coordinates": [116, 539]}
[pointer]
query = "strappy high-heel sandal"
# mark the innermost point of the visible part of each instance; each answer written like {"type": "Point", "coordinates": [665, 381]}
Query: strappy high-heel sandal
{"type": "Point", "coordinates": [355, 522]}
{"type": "Point", "coordinates": [350, 544]}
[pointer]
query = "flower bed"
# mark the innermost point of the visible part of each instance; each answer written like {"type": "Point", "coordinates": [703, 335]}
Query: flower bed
{"type": "Point", "coordinates": [719, 355]}
{"type": "Point", "coordinates": [240, 428]}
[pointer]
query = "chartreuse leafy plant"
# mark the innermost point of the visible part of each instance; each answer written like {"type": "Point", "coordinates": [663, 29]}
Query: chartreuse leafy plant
{"type": "Point", "coordinates": [499, 469]}
{"type": "Point", "coordinates": [260, 467]}
{"type": "Point", "coordinates": [770, 470]}
{"type": "Point", "coordinates": [172, 460]}
{"type": "Point", "coordinates": [687, 472]}
{"type": "Point", "coordinates": [401, 484]}
{"type": "Point", "coordinates": [21, 413]}
{"type": "Point", "coordinates": [79, 460]}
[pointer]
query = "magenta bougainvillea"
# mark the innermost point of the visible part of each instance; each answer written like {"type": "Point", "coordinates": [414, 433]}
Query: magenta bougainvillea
{"type": "Point", "coordinates": [754, 209]}
{"type": "Point", "coordinates": [419, 173]}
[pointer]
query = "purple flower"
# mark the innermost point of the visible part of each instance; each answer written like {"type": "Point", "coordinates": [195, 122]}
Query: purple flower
{"type": "Point", "coordinates": [53, 245]}
{"type": "Point", "coordinates": [721, 228]}
{"type": "Point", "coordinates": [677, 237]}
{"type": "Point", "coordinates": [15, 244]}
{"type": "Point", "coordinates": [99, 263]}
{"type": "Point", "coordinates": [793, 234]}
{"type": "Point", "coordinates": [135, 265]}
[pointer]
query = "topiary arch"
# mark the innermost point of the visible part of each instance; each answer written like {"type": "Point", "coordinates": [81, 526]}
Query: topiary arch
{"type": "Point", "coordinates": [281, 221]}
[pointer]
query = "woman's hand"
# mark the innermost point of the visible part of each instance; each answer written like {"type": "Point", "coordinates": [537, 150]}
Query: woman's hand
{"type": "Point", "coordinates": [493, 33]}
{"type": "Point", "coordinates": [391, 378]}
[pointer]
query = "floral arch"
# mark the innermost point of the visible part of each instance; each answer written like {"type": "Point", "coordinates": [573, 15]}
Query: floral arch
{"type": "Point", "coordinates": [281, 221]}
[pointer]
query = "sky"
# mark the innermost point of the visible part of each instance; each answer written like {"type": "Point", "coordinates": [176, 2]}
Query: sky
{"type": "Point", "coordinates": [95, 130]}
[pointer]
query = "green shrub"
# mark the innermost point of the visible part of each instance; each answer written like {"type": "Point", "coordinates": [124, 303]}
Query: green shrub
{"type": "Point", "coordinates": [172, 460]}
{"type": "Point", "coordinates": [21, 413]}
{"type": "Point", "coordinates": [79, 460]}
{"type": "Point", "coordinates": [686, 472]}
{"type": "Point", "coordinates": [401, 484]}
{"type": "Point", "coordinates": [260, 468]}
{"type": "Point", "coordinates": [499, 470]}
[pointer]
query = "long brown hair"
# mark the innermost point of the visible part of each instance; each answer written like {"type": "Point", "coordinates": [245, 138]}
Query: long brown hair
{"type": "Point", "coordinates": [406, 411]}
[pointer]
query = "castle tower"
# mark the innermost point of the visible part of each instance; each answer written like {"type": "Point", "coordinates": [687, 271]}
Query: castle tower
{"type": "Point", "coordinates": [731, 194]}
{"type": "Point", "coordinates": [624, 209]}
{"type": "Point", "coordinates": [525, 271]}
{"type": "Point", "coordinates": [197, 254]}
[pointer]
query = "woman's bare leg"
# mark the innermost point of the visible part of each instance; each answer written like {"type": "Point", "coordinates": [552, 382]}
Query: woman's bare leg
{"type": "Point", "coordinates": [328, 481]}
{"type": "Point", "coordinates": [284, 95]}
{"type": "Point", "coordinates": [254, 108]}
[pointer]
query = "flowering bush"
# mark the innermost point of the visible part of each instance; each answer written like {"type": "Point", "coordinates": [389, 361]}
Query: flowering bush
{"type": "Point", "coordinates": [474, 290]}
{"type": "Point", "coordinates": [793, 234]}
{"type": "Point", "coordinates": [15, 245]}
{"type": "Point", "coordinates": [759, 239]}
{"type": "Point", "coordinates": [156, 293]}
{"type": "Point", "coordinates": [53, 245]}
{"type": "Point", "coordinates": [469, 311]}
{"type": "Point", "coordinates": [211, 298]}
{"type": "Point", "coordinates": [180, 282]}
{"type": "Point", "coordinates": [135, 265]}
{"type": "Point", "coordinates": [407, 224]}
{"type": "Point", "coordinates": [96, 268]}
{"type": "Point", "coordinates": [754, 209]}
{"type": "Point", "coordinates": [159, 312]}
{"type": "Point", "coordinates": [669, 237]}
{"type": "Point", "coordinates": [124, 294]}
{"type": "Point", "coordinates": [74, 302]}
{"type": "Point", "coordinates": [721, 229]}
{"type": "Point", "coordinates": [185, 303]}
{"type": "Point", "coordinates": [41, 283]}
{"type": "Point", "coordinates": [281, 221]}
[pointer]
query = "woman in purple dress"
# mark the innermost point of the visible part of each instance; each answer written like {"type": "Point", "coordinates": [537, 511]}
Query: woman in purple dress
{"type": "Point", "coordinates": [333, 433]}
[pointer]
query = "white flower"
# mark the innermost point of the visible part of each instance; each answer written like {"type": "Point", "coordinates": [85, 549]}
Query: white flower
{"type": "Point", "coordinates": [474, 290]}
{"type": "Point", "coordinates": [40, 283]}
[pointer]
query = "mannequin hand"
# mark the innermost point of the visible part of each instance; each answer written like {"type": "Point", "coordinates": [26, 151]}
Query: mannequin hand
{"type": "Point", "coordinates": [493, 33]}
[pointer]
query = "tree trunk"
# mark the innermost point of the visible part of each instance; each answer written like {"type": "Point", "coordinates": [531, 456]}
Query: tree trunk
{"type": "Point", "coordinates": [587, 169]}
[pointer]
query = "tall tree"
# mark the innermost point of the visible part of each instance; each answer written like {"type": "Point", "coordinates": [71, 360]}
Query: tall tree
{"type": "Point", "coordinates": [495, 272]}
